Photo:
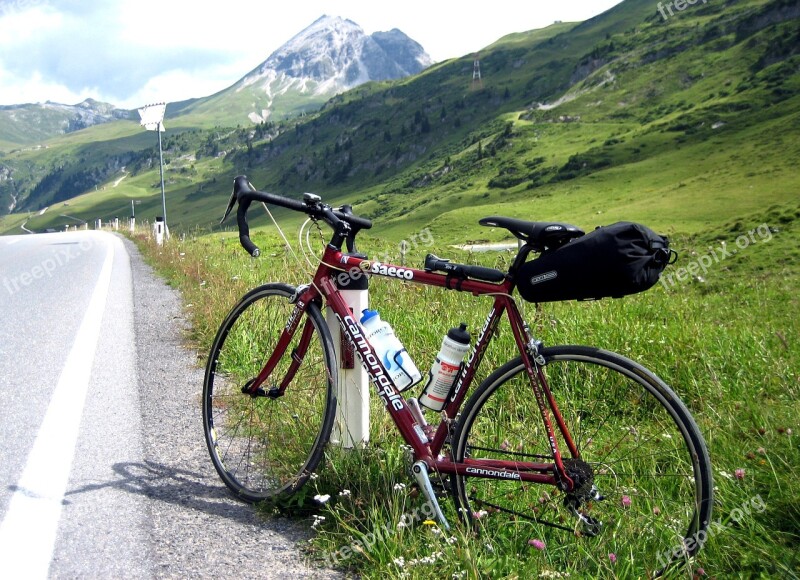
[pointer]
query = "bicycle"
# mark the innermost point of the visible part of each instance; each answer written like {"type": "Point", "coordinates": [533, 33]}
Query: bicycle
{"type": "Point", "coordinates": [604, 458]}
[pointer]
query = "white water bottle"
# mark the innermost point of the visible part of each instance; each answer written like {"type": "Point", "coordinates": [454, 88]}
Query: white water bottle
{"type": "Point", "coordinates": [443, 373]}
{"type": "Point", "coordinates": [402, 370]}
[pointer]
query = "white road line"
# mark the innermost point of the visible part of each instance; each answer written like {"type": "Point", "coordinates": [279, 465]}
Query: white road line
{"type": "Point", "coordinates": [28, 532]}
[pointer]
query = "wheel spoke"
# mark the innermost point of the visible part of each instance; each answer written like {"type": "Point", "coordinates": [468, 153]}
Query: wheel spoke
{"type": "Point", "coordinates": [644, 475]}
{"type": "Point", "coordinates": [259, 447]}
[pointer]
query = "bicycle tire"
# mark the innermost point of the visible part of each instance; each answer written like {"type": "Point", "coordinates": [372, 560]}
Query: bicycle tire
{"type": "Point", "coordinates": [263, 447]}
{"type": "Point", "coordinates": [647, 456]}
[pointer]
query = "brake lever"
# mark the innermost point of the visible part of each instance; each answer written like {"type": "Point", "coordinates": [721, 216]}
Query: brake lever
{"type": "Point", "coordinates": [231, 203]}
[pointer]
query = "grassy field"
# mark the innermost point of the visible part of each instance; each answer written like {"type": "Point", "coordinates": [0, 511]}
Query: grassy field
{"type": "Point", "coordinates": [722, 328]}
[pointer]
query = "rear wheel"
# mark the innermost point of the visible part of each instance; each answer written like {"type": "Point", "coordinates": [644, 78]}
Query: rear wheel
{"type": "Point", "coordinates": [645, 488]}
{"type": "Point", "coordinates": [263, 446]}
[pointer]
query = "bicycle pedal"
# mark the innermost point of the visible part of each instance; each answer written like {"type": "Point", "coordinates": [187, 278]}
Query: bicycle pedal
{"type": "Point", "coordinates": [424, 481]}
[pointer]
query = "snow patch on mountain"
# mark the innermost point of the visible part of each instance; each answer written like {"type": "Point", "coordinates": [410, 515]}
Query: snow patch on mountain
{"type": "Point", "coordinates": [330, 56]}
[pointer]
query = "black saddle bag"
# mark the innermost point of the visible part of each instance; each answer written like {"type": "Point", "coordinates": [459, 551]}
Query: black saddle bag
{"type": "Point", "coordinates": [612, 261]}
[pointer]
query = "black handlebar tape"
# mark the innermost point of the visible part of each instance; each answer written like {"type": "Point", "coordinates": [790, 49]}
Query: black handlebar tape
{"type": "Point", "coordinates": [244, 229]}
{"type": "Point", "coordinates": [246, 194]}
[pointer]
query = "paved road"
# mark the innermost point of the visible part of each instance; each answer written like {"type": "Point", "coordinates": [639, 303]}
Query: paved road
{"type": "Point", "coordinates": [104, 471]}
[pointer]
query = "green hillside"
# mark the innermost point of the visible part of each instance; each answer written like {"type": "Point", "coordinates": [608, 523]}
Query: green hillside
{"type": "Point", "coordinates": [682, 123]}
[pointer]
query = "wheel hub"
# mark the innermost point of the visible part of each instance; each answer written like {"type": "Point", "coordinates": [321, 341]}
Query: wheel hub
{"type": "Point", "coordinates": [584, 491]}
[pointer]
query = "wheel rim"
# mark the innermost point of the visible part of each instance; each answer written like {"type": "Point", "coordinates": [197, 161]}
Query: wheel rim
{"type": "Point", "coordinates": [263, 446]}
{"type": "Point", "coordinates": [643, 463]}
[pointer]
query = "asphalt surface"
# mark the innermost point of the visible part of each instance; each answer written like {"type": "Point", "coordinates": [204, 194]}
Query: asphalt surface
{"type": "Point", "coordinates": [104, 470]}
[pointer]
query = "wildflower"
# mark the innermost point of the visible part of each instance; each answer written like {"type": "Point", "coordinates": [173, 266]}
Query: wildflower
{"type": "Point", "coordinates": [428, 523]}
{"type": "Point", "coordinates": [322, 498]}
{"type": "Point", "coordinates": [612, 557]}
{"type": "Point", "coordinates": [505, 445]}
{"type": "Point", "coordinates": [626, 501]}
{"type": "Point", "coordinates": [399, 486]}
{"type": "Point", "coordinates": [317, 521]}
{"type": "Point", "coordinates": [452, 540]}
{"type": "Point", "coordinates": [656, 511]}
{"type": "Point", "coordinates": [401, 524]}
{"type": "Point", "coordinates": [314, 476]}
{"type": "Point", "coordinates": [436, 531]}
{"type": "Point", "coordinates": [480, 514]}
{"type": "Point", "coordinates": [399, 561]}
{"type": "Point", "coordinates": [538, 544]}
{"type": "Point", "coordinates": [739, 473]}
{"type": "Point", "coordinates": [700, 572]}
{"type": "Point", "coordinates": [344, 493]}
{"type": "Point", "coordinates": [761, 451]}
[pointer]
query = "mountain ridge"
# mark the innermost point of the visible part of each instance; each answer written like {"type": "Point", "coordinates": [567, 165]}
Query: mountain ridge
{"type": "Point", "coordinates": [328, 57]}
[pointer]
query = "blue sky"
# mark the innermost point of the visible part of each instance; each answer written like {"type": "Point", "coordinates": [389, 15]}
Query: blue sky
{"type": "Point", "coordinates": [132, 52]}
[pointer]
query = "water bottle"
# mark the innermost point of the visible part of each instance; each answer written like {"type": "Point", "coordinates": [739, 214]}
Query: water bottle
{"type": "Point", "coordinates": [443, 373]}
{"type": "Point", "coordinates": [394, 357]}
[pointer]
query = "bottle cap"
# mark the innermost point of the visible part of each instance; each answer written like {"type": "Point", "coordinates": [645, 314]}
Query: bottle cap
{"type": "Point", "coordinates": [459, 334]}
{"type": "Point", "coordinates": [367, 314]}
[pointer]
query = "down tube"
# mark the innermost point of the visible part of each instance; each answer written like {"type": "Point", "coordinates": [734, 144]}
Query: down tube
{"type": "Point", "coordinates": [390, 396]}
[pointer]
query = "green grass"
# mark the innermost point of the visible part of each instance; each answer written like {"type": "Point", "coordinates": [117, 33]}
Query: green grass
{"type": "Point", "coordinates": [726, 339]}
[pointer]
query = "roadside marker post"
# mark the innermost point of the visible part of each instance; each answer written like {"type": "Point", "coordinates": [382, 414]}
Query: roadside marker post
{"type": "Point", "coordinates": [351, 427]}
{"type": "Point", "coordinates": [158, 230]}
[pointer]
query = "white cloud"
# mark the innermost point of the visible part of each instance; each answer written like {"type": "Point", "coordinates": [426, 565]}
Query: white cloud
{"type": "Point", "coordinates": [21, 25]}
{"type": "Point", "coordinates": [179, 85]}
{"type": "Point", "coordinates": [34, 89]}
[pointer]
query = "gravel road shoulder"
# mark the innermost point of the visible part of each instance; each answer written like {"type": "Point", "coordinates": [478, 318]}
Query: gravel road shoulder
{"type": "Point", "coordinates": [197, 529]}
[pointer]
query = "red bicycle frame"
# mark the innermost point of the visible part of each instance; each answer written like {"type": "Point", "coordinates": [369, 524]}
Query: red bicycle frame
{"type": "Point", "coordinates": [335, 264]}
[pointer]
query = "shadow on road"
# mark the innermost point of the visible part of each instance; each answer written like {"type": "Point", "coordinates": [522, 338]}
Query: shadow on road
{"type": "Point", "coordinates": [175, 486]}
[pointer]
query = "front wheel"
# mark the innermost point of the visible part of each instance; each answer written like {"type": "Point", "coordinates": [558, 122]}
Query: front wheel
{"type": "Point", "coordinates": [264, 446]}
{"type": "Point", "coordinates": [646, 489]}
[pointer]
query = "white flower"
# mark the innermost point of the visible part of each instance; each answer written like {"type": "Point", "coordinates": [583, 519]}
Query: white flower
{"type": "Point", "coordinates": [451, 540]}
{"type": "Point", "coordinates": [317, 521]}
{"type": "Point", "coordinates": [399, 486]}
{"type": "Point", "coordinates": [399, 561]}
{"type": "Point", "coordinates": [322, 498]}
{"type": "Point", "coordinates": [401, 524]}
{"type": "Point", "coordinates": [345, 493]}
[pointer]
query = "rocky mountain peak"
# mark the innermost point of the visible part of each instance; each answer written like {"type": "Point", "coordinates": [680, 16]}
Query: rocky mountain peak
{"type": "Point", "coordinates": [334, 54]}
